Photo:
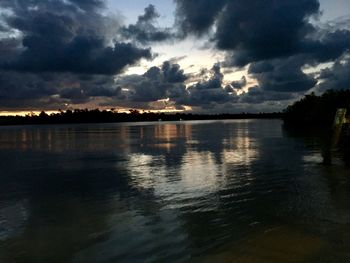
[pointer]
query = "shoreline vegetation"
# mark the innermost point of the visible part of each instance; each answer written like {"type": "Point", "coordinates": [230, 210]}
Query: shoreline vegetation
{"type": "Point", "coordinates": [317, 110]}
{"type": "Point", "coordinates": [98, 116]}
{"type": "Point", "coordinates": [310, 110]}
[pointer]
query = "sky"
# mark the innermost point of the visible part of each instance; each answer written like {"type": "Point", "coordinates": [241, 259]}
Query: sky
{"type": "Point", "coordinates": [223, 56]}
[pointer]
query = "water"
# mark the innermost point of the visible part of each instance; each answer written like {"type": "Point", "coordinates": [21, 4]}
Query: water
{"type": "Point", "coordinates": [209, 191]}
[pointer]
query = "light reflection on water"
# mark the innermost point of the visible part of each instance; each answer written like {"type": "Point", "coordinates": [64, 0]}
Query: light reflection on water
{"type": "Point", "coordinates": [236, 191]}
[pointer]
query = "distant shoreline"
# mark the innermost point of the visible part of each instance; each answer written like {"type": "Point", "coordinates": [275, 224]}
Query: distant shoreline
{"type": "Point", "coordinates": [97, 116]}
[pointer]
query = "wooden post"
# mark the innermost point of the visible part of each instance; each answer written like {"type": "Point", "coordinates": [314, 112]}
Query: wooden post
{"type": "Point", "coordinates": [339, 120]}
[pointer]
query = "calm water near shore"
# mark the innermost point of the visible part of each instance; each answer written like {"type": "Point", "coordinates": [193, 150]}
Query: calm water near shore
{"type": "Point", "coordinates": [203, 191]}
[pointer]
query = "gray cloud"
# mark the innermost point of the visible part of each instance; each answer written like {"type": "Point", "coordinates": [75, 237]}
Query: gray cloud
{"type": "Point", "coordinates": [68, 51]}
{"type": "Point", "coordinates": [145, 30]}
{"type": "Point", "coordinates": [57, 37]}
{"type": "Point", "coordinates": [256, 95]}
{"type": "Point", "coordinates": [209, 92]}
{"type": "Point", "coordinates": [168, 81]}
{"type": "Point", "coordinates": [58, 52]}
{"type": "Point", "coordinates": [255, 30]}
{"type": "Point", "coordinates": [275, 38]}
{"type": "Point", "coordinates": [336, 77]}
{"type": "Point", "coordinates": [157, 83]}
{"type": "Point", "coordinates": [282, 75]}
{"type": "Point", "coordinates": [24, 86]}
{"type": "Point", "coordinates": [53, 90]}
{"type": "Point", "coordinates": [239, 84]}
{"type": "Point", "coordinates": [197, 16]}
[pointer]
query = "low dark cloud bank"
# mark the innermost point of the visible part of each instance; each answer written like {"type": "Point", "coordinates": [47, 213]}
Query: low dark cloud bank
{"type": "Point", "coordinates": [58, 52]}
{"type": "Point", "coordinates": [169, 82]}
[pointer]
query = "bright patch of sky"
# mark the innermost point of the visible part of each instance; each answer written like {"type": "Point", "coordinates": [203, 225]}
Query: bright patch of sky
{"type": "Point", "coordinates": [132, 9]}
{"type": "Point", "coordinates": [332, 9]}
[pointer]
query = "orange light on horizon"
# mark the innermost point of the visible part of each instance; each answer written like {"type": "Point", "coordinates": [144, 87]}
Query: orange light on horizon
{"type": "Point", "coordinates": [119, 110]}
{"type": "Point", "coordinates": [24, 113]}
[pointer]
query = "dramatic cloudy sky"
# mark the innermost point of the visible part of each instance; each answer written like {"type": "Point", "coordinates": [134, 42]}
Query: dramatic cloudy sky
{"type": "Point", "coordinates": [198, 55]}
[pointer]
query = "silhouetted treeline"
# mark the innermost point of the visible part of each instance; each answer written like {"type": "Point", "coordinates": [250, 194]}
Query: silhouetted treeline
{"type": "Point", "coordinates": [311, 109]}
{"type": "Point", "coordinates": [98, 116]}
{"type": "Point", "coordinates": [314, 109]}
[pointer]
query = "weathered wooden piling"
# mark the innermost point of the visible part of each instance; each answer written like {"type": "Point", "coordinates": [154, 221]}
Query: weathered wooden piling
{"type": "Point", "coordinates": [339, 120]}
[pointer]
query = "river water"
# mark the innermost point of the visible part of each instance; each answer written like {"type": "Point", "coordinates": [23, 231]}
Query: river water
{"type": "Point", "coordinates": [202, 191]}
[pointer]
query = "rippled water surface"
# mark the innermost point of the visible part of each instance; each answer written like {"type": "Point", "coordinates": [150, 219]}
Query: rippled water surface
{"type": "Point", "coordinates": [213, 191]}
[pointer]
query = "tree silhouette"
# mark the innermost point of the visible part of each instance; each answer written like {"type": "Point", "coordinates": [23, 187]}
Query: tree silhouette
{"type": "Point", "coordinates": [318, 109]}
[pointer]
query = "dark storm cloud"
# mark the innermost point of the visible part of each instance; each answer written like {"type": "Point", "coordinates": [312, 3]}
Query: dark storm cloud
{"type": "Point", "coordinates": [9, 48]}
{"type": "Point", "coordinates": [239, 84]}
{"type": "Point", "coordinates": [331, 45]}
{"type": "Point", "coordinates": [215, 82]}
{"type": "Point", "coordinates": [59, 52]}
{"type": "Point", "coordinates": [209, 92]}
{"type": "Point", "coordinates": [168, 82]}
{"type": "Point", "coordinates": [197, 16]}
{"type": "Point", "coordinates": [24, 86]}
{"type": "Point", "coordinates": [275, 38]}
{"type": "Point", "coordinates": [282, 75]}
{"type": "Point", "coordinates": [259, 30]}
{"type": "Point", "coordinates": [205, 97]}
{"type": "Point", "coordinates": [54, 52]}
{"type": "Point", "coordinates": [336, 77]}
{"type": "Point", "coordinates": [85, 88]}
{"type": "Point", "coordinates": [260, 67]}
{"type": "Point", "coordinates": [57, 37]}
{"type": "Point", "coordinates": [254, 29]}
{"type": "Point", "coordinates": [52, 90]}
{"type": "Point", "coordinates": [287, 75]}
{"type": "Point", "coordinates": [81, 55]}
{"type": "Point", "coordinates": [145, 30]}
{"type": "Point", "coordinates": [256, 95]}
{"type": "Point", "coordinates": [75, 95]}
{"type": "Point", "coordinates": [172, 73]}
{"type": "Point", "coordinates": [157, 83]}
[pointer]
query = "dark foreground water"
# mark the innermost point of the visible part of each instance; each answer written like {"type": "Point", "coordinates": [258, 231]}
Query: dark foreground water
{"type": "Point", "coordinates": [216, 191]}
